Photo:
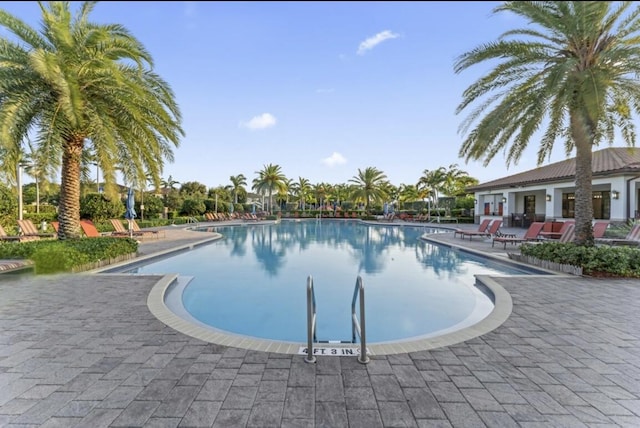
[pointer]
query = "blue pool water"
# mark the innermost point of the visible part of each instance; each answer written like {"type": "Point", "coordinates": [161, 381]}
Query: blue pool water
{"type": "Point", "coordinates": [253, 281]}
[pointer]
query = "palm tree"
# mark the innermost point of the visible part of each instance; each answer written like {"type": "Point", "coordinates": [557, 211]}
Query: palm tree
{"type": "Point", "coordinates": [270, 178]}
{"type": "Point", "coordinates": [572, 72]}
{"type": "Point", "coordinates": [369, 186]}
{"type": "Point", "coordinates": [169, 183]}
{"type": "Point", "coordinates": [320, 191]}
{"type": "Point", "coordinates": [238, 182]}
{"type": "Point", "coordinates": [408, 193]}
{"type": "Point", "coordinates": [301, 190]}
{"type": "Point", "coordinates": [42, 166]}
{"type": "Point", "coordinates": [432, 182]}
{"type": "Point", "coordinates": [82, 86]}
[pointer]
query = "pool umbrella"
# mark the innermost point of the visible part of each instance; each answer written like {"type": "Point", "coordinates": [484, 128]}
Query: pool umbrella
{"type": "Point", "coordinates": [253, 209]}
{"type": "Point", "coordinates": [385, 209]}
{"type": "Point", "coordinates": [231, 208]}
{"type": "Point", "coordinates": [130, 213]}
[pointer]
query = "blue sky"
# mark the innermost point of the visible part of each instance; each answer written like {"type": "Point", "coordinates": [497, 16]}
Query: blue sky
{"type": "Point", "coordinates": [320, 88]}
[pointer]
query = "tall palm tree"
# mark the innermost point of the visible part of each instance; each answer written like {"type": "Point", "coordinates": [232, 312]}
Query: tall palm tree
{"type": "Point", "coordinates": [369, 186]}
{"type": "Point", "coordinates": [320, 191]}
{"type": "Point", "coordinates": [431, 183]}
{"type": "Point", "coordinates": [270, 178]}
{"type": "Point", "coordinates": [301, 190]}
{"type": "Point", "coordinates": [408, 193]}
{"type": "Point", "coordinates": [83, 86]}
{"type": "Point", "coordinates": [238, 182]}
{"type": "Point", "coordinates": [169, 183]}
{"type": "Point", "coordinates": [42, 166]}
{"type": "Point", "coordinates": [571, 72]}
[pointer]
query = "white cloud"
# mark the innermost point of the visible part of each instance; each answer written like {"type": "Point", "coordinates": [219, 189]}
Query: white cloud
{"type": "Point", "coordinates": [265, 120]}
{"type": "Point", "coordinates": [335, 159]}
{"type": "Point", "coordinates": [372, 42]}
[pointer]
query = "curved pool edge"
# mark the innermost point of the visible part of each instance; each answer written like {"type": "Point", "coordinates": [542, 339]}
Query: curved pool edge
{"type": "Point", "coordinates": [503, 306]}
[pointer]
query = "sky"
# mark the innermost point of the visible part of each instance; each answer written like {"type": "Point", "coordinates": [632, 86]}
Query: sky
{"type": "Point", "coordinates": [321, 89]}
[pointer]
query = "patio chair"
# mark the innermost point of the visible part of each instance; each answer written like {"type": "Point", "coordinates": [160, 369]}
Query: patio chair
{"type": "Point", "coordinates": [569, 234]}
{"type": "Point", "coordinates": [491, 231]}
{"type": "Point", "coordinates": [632, 238]}
{"type": "Point", "coordinates": [29, 229]}
{"type": "Point", "coordinates": [599, 229]}
{"type": "Point", "coordinates": [146, 232]}
{"type": "Point", "coordinates": [119, 230]}
{"type": "Point", "coordinates": [559, 233]}
{"type": "Point", "coordinates": [530, 235]}
{"type": "Point", "coordinates": [482, 228]}
{"type": "Point", "coordinates": [89, 229]}
{"type": "Point", "coordinates": [5, 237]}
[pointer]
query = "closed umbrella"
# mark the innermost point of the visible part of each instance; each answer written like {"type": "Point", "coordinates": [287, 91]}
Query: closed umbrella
{"type": "Point", "coordinates": [385, 209]}
{"type": "Point", "coordinates": [253, 209]}
{"type": "Point", "coordinates": [230, 208]}
{"type": "Point", "coordinates": [130, 213]}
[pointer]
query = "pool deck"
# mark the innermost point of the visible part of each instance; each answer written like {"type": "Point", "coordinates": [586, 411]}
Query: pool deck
{"type": "Point", "coordinates": [84, 350]}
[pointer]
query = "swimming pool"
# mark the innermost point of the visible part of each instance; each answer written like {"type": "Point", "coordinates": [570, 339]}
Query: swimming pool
{"type": "Point", "coordinates": [252, 282]}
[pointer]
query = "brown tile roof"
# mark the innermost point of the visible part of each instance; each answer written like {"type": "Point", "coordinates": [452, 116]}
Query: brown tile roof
{"type": "Point", "coordinates": [605, 162]}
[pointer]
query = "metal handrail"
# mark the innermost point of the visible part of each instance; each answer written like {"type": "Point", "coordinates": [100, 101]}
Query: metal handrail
{"type": "Point", "coordinates": [359, 327]}
{"type": "Point", "coordinates": [311, 321]}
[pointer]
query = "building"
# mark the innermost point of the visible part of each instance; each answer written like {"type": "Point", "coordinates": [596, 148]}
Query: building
{"type": "Point", "coordinates": [548, 192]}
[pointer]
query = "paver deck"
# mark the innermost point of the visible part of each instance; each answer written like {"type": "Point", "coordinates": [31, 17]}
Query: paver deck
{"type": "Point", "coordinates": [84, 350]}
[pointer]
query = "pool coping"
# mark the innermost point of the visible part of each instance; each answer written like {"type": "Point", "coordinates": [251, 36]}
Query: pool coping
{"type": "Point", "coordinates": [503, 307]}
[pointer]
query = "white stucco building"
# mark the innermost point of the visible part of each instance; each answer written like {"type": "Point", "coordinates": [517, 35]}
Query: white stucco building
{"type": "Point", "coordinates": [548, 192]}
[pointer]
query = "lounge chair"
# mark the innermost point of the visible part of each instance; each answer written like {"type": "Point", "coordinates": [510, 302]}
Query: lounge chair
{"type": "Point", "coordinates": [530, 235]}
{"type": "Point", "coordinates": [599, 229]}
{"type": "Point", "coordinates": [558, 234]}
{"type": "Point", "coordinates": [146, 232]}
{"type": "Point", "coordinates": [482, 228]}
{"type": "Point", "coordinates": [569, 234]}
{"type": "Point", "coordinates": [119, 230]}
{"type": "Point", "coordinates": [89, 229]}
{"type": "Point", "coordinates": [632, 238]}
{"type": "Point", "coordinates": [5, 237]}
{"type": "Point", "coordinates": [29, 229]}
{"type": "Point", "coordinates": [491, 231]}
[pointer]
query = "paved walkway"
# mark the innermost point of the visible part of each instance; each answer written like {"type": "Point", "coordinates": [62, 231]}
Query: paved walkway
{"type": "Point", "coordinates": [83, 350]}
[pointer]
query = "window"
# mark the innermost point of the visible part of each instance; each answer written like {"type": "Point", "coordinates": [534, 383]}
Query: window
{"type": "Point", "coordinates": [601, 205]}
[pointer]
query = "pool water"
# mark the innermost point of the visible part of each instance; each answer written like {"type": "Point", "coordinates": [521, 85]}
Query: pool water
{"type": "Point", "coordinates": [253, 281]}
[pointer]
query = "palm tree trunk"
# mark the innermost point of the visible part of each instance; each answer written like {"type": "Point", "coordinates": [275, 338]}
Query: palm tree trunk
{"type": "Point", "coordinates": [584, 172]}
{"type": "Point", "coordinates": [69, 207]}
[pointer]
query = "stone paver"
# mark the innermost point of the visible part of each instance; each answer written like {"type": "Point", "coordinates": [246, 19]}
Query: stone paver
{"type": "Point", "coordinates": [84, 350]}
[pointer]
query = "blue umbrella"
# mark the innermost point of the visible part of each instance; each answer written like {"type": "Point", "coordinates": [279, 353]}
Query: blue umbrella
{"type": "Point", "coordinates": [385, 209]}
{"type": "Point", "coordinates": [253, 209]}
{"type": "Point", "coordinates": [130, 213]}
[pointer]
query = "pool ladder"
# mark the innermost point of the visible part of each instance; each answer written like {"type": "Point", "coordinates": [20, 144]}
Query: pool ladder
{"type": "Point", "coordinates": [357, 326]}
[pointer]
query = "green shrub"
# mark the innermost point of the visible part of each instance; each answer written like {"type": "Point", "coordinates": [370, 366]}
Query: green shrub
{"type": "Point", "coordinates": [57, 258]}
{"type": "Point", "coordinates": [52, 256]}
{"type": "Point", "coordinates": [598, 261]}
{"type": "Point", "coordinates": [8, 206]}
{"type": "Point", "coordinates": [99, 207]}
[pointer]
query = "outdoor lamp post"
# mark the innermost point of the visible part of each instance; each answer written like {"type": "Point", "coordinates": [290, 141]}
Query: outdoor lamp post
{"type": "Point", "coordinates": [97, 176]}
{"type": "Point", "coordinates": [19, 183]}
{"type": "Point", "coordinates": [142, 205]}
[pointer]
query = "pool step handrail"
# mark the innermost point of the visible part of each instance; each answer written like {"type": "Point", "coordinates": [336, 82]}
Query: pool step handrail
{"type": "Point", "coordinates": [311, 321]}
{"type": "Point", "coordinates": [359, 327]}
